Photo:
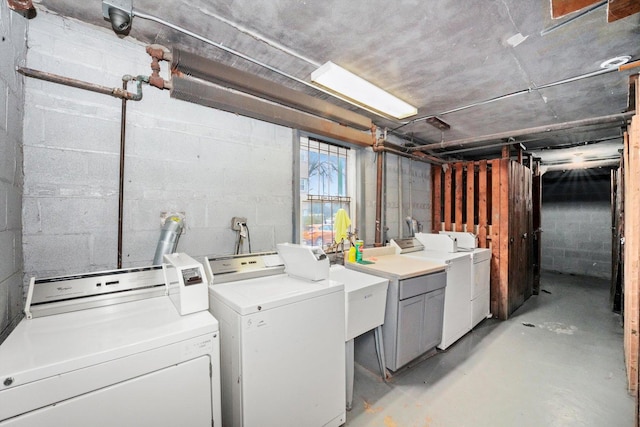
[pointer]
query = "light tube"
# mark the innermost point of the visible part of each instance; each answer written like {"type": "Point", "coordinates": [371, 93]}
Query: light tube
{"type": "Point", "coordinates": [339, 80]}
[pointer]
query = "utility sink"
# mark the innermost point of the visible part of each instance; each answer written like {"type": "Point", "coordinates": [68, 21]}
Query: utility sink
{"type": "Point", "coordinates": [365, 299]}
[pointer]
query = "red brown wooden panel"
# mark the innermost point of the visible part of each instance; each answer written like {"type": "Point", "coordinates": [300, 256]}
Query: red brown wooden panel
{"type": "Point", "coordinates": [632, 252]}
{"type": "Point", "coordinates": [471, 194]}
{"type": "Point", "coordinates": [447, 198]}
{"type": "Point", "coordinates": [458, 195]}
{"type": "Point", "coordinates": [618, 9]}
{"type": "Point", "coordinates": [496, 296]}
{"type": "Point", "coordinates": [482, 204]}
{"type": "Point", "coordinates": [503, 238]}
{"type": "Point", "coordinates": [560, 8]}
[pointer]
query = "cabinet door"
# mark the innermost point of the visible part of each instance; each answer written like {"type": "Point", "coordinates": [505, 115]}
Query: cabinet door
{"type": "Point", "coordinates": [433, 316]}
{"type": "Point", "coordinates": [410, 326]}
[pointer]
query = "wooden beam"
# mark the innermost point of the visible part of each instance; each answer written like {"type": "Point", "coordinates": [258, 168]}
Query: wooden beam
{"type": "Point", "coordinates": [458, 195]}
{"type": "Point", "coordinates": [495, 246]}
{"type": "Point", "coordinates": [618, 9]}
{"type": "Point", "coordinates": [482, 204]}
{"type": "Point", "coordinates": [471, 196]}
{"type": "Point", "coordinates": [447, 199]}
{"type": "Point", "coordinates": [560, 8]}
{"type": "Point", "coordinates": [436, 208]}
{"type": "Point", "coordinates": [632, 254]}
{"type": "Point", "coordinates": [504, 239]}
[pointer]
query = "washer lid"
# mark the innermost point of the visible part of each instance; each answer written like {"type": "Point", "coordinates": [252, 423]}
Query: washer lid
{"type": "Point", "coordinates": [53, 345]}
{"type": "Point", "coordinates": [264, 293]}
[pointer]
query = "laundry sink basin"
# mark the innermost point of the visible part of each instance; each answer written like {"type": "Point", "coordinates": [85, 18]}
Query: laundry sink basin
{"type": "Point", "coordinates": [365, 300]}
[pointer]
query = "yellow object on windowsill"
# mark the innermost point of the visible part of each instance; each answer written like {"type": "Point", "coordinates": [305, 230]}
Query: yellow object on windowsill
{"type": "Point", "coordinates": [340, 225]}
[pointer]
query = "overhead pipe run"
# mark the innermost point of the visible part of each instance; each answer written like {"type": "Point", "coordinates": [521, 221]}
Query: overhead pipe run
{"type": "Point", "coordinates": [622, 67]}
{"type": "Point", "coordinates": [460, 143]}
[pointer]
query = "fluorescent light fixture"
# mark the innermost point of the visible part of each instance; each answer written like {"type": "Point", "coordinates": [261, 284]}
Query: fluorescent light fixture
{"type": "Point", "coordinates": [362, 92]}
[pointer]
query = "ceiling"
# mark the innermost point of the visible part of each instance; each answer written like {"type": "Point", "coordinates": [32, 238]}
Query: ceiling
{"type": "Point", "coordinates": [491, 69]}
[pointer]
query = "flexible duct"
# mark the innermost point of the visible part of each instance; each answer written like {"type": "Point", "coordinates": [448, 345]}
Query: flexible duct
{"type": "Point", "coordinates": [168, 238]}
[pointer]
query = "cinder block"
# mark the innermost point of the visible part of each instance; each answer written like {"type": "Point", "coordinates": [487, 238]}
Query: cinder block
{"type": "Point", "coordinates": [8, 264]}
{"type": "Point", "coordinates": [61, 253]}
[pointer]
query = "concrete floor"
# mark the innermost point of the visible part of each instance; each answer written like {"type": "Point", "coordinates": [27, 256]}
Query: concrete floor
{"type": "Point", "coordinates": [565, 370]}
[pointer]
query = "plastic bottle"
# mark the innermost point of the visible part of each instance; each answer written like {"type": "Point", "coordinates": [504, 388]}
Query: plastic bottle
{"type": "Point", "coordinates": [352, 254]}
{"type": "Point", "coordinates": [359, 246]}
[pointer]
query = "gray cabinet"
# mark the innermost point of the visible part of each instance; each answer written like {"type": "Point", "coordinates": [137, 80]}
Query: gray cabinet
{"type": "Point", "coordinates": [413, 318]}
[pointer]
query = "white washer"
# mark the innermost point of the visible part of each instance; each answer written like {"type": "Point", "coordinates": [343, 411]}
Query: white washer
{"type": "Point", "coordinates": [94, 359]}
{"type": "Point", "coordinates": [282, 349]}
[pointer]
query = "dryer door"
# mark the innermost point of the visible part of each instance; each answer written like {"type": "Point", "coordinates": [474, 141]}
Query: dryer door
{"type": "Point", "coordinates": [179, 395]}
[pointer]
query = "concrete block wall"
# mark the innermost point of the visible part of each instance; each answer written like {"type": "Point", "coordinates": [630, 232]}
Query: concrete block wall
{"type": "Point", "coordinates": [180, 157]}
{"type": "Point", "coordinates": [13, 48]}
{"type": "Point", "coordinates": [576, 223]}
{"type": "Point", "coordinates": [408, 193]}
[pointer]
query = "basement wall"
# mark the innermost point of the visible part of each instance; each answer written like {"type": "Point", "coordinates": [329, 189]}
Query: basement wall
{"type": "Point", "coordinates": [407, 187]}
{"type": "Point", "coordinates": [180, 157]}
{"type": "Point", "coordinates": [576, 223]}
{"type": "Point", "coordinates": [13, 49]}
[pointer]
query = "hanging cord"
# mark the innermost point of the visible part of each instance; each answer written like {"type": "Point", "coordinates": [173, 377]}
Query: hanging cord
{"type": "Point", "coordinates": [248, 237]}
{"type": "Point", "coordinates": [240, 235]}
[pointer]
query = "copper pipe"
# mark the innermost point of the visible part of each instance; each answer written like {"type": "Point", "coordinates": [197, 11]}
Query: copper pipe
{"type": "Point", "coordinates": [54, 78]}
{"type": "Point", "coordinates": [379, 171]}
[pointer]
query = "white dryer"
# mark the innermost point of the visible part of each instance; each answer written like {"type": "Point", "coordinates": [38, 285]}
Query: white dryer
{"type": "Point", "coordinates": [480, 271]}
{"type": "Point", "coordinates": [109, 349]}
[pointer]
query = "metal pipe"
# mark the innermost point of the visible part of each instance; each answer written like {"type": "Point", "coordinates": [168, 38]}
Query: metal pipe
{"type": "Point", "coordinates": [123, 126]}
{"type": "Point", "coordinates": [573, 18]}
{"type": "Point", "coordinates": [252, 60]}
{"type": "Point", "coordinates": [519, 92]}
{"type": "Point", "coordinates": [54, 78]}
{"type": "Point", "coordinates": [379, 167]}
{"type": "Point", "coordinates": [609, 163]}
{"type": "Point", "coordinates": [459, 143]}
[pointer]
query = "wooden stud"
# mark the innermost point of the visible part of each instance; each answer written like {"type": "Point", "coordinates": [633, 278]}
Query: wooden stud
{"type": "Point", "coordinates": [632, 253]}
{"type": "Point", "coordinates": [496, 287]}
{"type": "Point", "coordinates": [436, 206]}
{"type": "Point", "coordinates": [458, 195]}
{"type": "Point", "coordinates": [504, 238]}
{"type": "Point", "coordinates": [447, 198]}
{"type": "Point", "coordinates": [482, 204]}
{"type": "Point", "coordinates": [471, 199]}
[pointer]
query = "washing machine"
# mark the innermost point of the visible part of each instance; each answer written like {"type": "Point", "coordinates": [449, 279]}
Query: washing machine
{"type": "Point", "coordinates": [109, 349]}
{"type": "Point", "coordinates": [283, 348]}
{"type": "Point", "coordinates": [480, 271]}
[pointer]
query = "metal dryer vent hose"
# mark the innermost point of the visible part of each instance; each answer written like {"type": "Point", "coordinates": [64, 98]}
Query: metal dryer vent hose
{"type": "Point", "coordinates": [168, 238]}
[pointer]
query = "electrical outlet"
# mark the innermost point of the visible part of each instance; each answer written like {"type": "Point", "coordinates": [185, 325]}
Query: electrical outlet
{"type": "Point", "coordinates": [236, 221]}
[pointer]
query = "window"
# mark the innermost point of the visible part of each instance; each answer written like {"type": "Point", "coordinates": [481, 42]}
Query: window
{"type": "Point", "coordinates": [326, 184]}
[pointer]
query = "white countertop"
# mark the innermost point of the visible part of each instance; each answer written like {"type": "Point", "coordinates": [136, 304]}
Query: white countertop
{"type": "Point", "coordinates": [393, 266]}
